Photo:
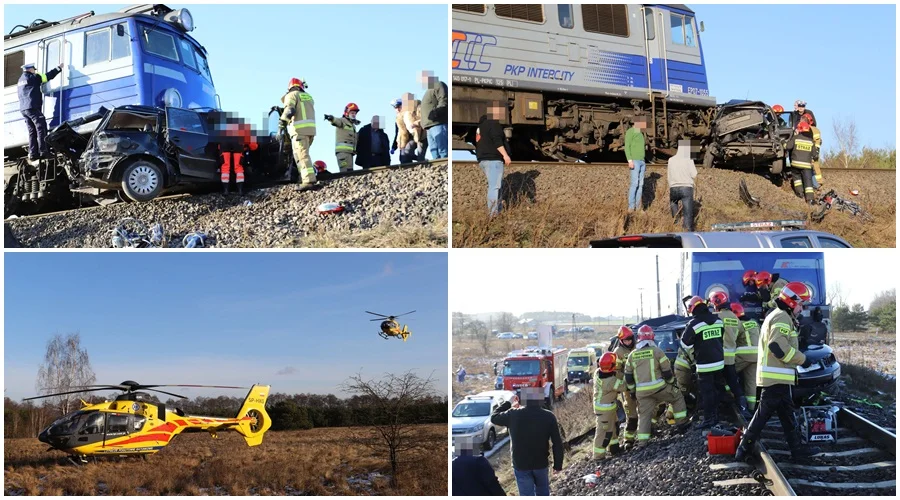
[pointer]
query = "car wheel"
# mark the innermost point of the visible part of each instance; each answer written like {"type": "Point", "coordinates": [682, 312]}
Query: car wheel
{"type": "Point", "coordinates": [142, 180]}
{"type": "Point", "coordinates": [491, 439]}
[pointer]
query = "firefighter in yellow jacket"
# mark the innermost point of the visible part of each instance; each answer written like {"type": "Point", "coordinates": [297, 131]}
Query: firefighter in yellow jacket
{"type": "Point", "coordinates": [606, 390]}
{"type": "Point", "coordinates": [623, 348]}
{"type": "Point", "coordinates": [345, 136]}
{"type": "Point", "coordinates": [299, 117]}
{"type": "Point", "coordinates": [767, 289]}
{"type": "Point", "coordinates": [746, 352]}
{"type": "Point", "coordinates": [649, 377]}
{"type": "Point", "coordinates": [719, 302]}
{"type": "Point", "coordinates": [778, 358]}
{"type": "Point", "coordinates": [803, 150]}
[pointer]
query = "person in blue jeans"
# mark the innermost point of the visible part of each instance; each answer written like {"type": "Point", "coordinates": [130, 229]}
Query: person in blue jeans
{"type": "Point", "coordinates": [634, 153]}
{"type": "Point", "coordinates": [531, 430]}
{"type": "Point", "coordinates": [491, 152]}
{"type": "Point", "coordinates": [433, 113]}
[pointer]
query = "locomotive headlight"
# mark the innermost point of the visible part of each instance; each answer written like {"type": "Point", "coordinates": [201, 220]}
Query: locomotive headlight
{"type": "Point", "coordinates": [182, 19]}
{"type": "Point", "coordinates": [171, 98]}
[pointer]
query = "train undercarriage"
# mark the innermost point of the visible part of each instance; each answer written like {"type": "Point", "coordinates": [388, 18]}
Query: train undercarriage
{"type": "Point", "coordinates": [548, 126]}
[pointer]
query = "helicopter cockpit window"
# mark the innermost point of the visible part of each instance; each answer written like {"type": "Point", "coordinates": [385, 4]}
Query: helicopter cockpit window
{"type": "Point", "coordinates": [67, 424]}
{"type": "Point", "coordinates": [117, 424]}
{"type": "Point", "coordinates": [138, 423]}
{"type": "Point", "coordinates": [93, 424]}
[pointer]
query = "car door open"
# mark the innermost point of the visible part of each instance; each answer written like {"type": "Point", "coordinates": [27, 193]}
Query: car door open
{"type": "Point", "coordinates": [188, 137]}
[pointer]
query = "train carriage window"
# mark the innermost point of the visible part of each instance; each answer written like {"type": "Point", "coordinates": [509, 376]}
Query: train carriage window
{"type": "Point", "coordinates": [565, 16]}
{"type": "Point", "coordinates": [605, 19]}
{"type": "Point", "coordinates": [161, 44]}
{"type": "Point", "coordinates": [52, 59]}
{"type": "Point", "coordinates": [467, 7]}
{"type": "Point", "coordinates": [12, 68]}
{"type": "Point", "coordinates": [117, 424]}
{"type": "Point", "coordinates": [523, 12]}
{"type": "Point", "coordinates": [97, 47]}
{"type": "Point", "coordinates": [187, 54]}
{"type": "Point", "coordinates": [651, 26]}
{"type": "Point", "coordinates": [121, 41]}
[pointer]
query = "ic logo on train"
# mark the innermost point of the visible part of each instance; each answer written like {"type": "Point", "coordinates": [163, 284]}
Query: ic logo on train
{"type": "Point", "coordinates": [468, 51]}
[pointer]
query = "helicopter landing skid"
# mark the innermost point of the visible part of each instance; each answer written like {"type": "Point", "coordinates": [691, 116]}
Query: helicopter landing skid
{"type": "Point", "coordinates": [77, 460]}
{"type": "Point", "coordinates": [384, 335]}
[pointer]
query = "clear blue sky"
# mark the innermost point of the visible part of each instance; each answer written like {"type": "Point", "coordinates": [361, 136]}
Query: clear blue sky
{"type": "Point", "coordinates": [367, 54]}
{"type": "Point", "coordinates": [846, 68]}
{"type": "Point", "coordinates": [292, 320]}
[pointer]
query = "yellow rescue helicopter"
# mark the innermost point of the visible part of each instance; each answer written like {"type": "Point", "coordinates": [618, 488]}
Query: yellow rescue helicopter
{"type": "Point", "coordinates": [133, 424]}
{"type": "Point", "coordinates": [390, 327]}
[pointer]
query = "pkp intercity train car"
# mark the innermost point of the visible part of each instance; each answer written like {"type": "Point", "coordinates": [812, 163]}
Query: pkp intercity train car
{"type": "Point", "coordinates": [574, 77]}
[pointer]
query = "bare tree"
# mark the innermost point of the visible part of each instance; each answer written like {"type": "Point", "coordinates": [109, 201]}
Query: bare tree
{"type": "Point", "coordinates": [481, 333]}
{"type": "Point", "coordinates": [506, 322]}
{"type": "Point", "coordinates": [836, 293]}
{"type": "Point", "coordinates": [847, 140]}
{"type": "Point", "coordinates": [66, 367]}
{"type": "Point", "coordinates": [459, 324]}
{"type": "Point", "coordinates": [396, 400]}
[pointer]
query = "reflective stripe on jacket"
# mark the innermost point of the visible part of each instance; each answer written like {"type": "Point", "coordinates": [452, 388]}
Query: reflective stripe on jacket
{"type": "Point", "coordinates": [778, 328]}
{"type": "Point", "coordinates": [299, 108]}
{"type": "Point", "coordinates": [605, 393]}
{"type": "Point", "coordinates": [729, 334]}
{"type": "Point", "coordinates": [644, 369]}
{"type": "Point", "coordinates": [747, 340]}
{"type": "Point", "coordinates": [622, 353]}
{"type": "Point", "coordinates": [704, 333]}
{"type": "Point", "coordinates": [345, 135]}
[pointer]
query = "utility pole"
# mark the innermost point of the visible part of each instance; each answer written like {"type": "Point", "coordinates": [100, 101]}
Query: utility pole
{"type": "Point", "coordinates": [574, 330]}
{"type": "Point", "coordinates": [658, 296]}
{"type": "Point", "coordinates": [641, 292]}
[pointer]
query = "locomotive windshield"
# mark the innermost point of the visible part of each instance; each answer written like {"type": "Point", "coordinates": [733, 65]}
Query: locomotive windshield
{"type": "Point", "coordinates": [520, 367]}
{"type": "Point", "coordinates": [176, 48]}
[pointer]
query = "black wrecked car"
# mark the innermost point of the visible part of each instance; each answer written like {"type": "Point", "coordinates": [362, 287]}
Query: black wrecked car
{"type": "Point", "coordinates": [747, 135]}
{"type": "Point", "coordinates": [143, 151]}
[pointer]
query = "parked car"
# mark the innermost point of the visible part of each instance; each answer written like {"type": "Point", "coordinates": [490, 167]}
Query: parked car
{"type": "Point", "coordinates": [518, 335]}
{"type": "Point", "coordinates": [587, 329]}
{"type": "Point", "coordinates": [506, 335]}
{"type": "Point", "coordinates": [727, 239]}
{"type": "Point", "coordinates": [532, 335]}
{"type": "Point", "coordinates": [471, 417]}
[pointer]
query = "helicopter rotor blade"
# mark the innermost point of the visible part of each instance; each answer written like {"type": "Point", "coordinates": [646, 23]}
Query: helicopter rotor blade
{"type": "Point", "coordinates": [376, 314]}
{"type": "Point", "coordinates": [179, 396]}
{"type": "Point", "coordinates": [198, 385]}
{"type": "Point", "coordinates": [378, 319]}
{"type": "Point", "coordinates": [404, 314]}
{"type": "Point", "coordinates": [78, 391]}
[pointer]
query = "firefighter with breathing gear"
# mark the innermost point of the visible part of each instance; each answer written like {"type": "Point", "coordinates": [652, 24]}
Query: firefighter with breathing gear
{"type": "Point", "coordinates": [606, 390]}
{"type": "Point", "coordinates": [649, 377]}
{"type": "Point", "coordinates": [299, 117]}
{"type": "Point", "coordinates": [31, 105]}
{"type": "Point", "coordinates": [624, 347]}
{"type": "Point", "coordinates": [730, 330]}
{"type": "Point", "coordinates": [803, 152]}
{"type": "Point", "coordinates": [777, 362]}
{"type": "Point", "coordinates": [704, 333]}
{"type": "Point", "coordinates": [746, 352]}
{"type": "Point", "coordinates": [345, 136]}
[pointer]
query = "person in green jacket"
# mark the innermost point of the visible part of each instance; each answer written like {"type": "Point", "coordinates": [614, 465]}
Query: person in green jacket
{"type": "Point", "coordinates": [634, 153]}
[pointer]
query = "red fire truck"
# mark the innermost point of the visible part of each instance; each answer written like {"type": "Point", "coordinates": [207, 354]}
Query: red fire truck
{"type": "Point", "coordinates": [537, 367]}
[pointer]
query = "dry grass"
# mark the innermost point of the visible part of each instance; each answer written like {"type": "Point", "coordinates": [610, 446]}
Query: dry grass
{"type": "Point", "coordinates": [575, 204]}
{"type": "Point", "coordinates": [314, 462]}
{"type": "Point", "coordinates": [875, 352]}
{"type": "Point", "coordinates": [384, 236]}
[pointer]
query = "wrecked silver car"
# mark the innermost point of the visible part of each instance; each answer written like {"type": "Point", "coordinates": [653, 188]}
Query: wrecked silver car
{"type": "Point", "coordinates": [747, 135]}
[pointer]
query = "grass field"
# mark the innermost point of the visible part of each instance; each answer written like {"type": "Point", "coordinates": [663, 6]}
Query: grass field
{"type": "Point", "coordinates": [876, 352]}
{"type": "Point", "coordinates": [567, 206]}
{"type": "Point", "coordinates": [325, 461]}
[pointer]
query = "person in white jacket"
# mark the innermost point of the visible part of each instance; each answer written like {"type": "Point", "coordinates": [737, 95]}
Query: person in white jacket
{"type": "Point", "coordinates": [681, 175]}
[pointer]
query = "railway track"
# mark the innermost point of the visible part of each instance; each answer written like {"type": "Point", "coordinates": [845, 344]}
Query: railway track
{"type": "Point", "coordinates": [861, 462]}
{"type": "Point", "coordinates": [649, 165]}
{"type": "Point", "coordinates": [261, 185]}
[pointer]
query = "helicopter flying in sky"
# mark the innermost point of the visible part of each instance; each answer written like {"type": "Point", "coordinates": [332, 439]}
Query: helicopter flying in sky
{"type": "Point", "coordinates": [390, 327]}
{"type": "Point", "coordinates": [133, 424]}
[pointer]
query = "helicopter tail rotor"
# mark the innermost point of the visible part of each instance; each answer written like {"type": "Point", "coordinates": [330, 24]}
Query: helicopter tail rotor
{"type": "Point", "coordinates": [254, 421]}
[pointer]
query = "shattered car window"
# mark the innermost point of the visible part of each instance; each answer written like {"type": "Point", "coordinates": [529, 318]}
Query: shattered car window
{"type": "Point", "coordinates": [123, 120]}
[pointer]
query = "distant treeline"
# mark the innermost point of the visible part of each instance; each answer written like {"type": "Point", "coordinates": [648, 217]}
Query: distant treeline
{"type": "Point", "coordinates": [288, 412]}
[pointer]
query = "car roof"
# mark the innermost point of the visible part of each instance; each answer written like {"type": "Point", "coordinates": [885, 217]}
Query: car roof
{"type": "Point", "coordinates": [712, 239]}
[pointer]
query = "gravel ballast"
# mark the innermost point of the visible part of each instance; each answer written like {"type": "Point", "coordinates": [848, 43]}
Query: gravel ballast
{"type": "Point", "coordinates": [401, 200]}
